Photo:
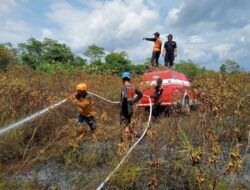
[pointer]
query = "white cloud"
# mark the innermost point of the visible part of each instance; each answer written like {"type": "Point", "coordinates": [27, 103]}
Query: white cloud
{"type": "Point", "coordinates": [194, 54]}
{"type": "Point", "coordinates": [12, 30]}
{"type": "Point", "coordinates": [206, 35]}
{"type": "Point", "coordinates": [194, 13]}
{"type": "Point", "coordinates": [135, 24]}
{"type": "Point", "coordinates": [93, 4]}
{"type": "Point", "coordinates": [245, 31]}
{"type": "Point", "coordinates": [6, 8]}
{"type": "Point", "coordinates": [195, 39]}
{"type": "Point", "coordinates": [172, 16]}
{"type": "Point", "coordinates": [224, 50]}
{"type": "Point", "coordinates": [116, 24]}
{"type": "Point", "coordinates": [242, 38]}
{"type": "Point", "coordinates": [120, 26]}
{"type": "Point", "coordinates": [202, 31]}
{"type": "Point", "coordinates": [47, 33]}
{"type": "Point", "coordinates": [140, 52]}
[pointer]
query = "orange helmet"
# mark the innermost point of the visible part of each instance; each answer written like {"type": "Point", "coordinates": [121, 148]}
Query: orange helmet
{"type": "Point", "coordinates": [82, 87]}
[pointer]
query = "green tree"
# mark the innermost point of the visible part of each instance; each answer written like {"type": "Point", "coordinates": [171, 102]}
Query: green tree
{"type": "Point", "coordinates": [35, 52]}
{"type": "Point", "coordinates": [53, 52]}
{"type": "Point", "coordinates": [147, 62]}
{"type": "Point", "coordinates": [7, 57]}
{"type": "Point", "coordinates": [118, 62]}
{"type": "Point", "coordinates": [31, 52]}
{"type": "Point", "coordinates": [79, 61]}
{"type": "Point", "coordinates": [94, 52]}
{"type": "Point", "coordinates": [230, 66]}
{"type": "Point", "coordinates": [139, 69]}
{"type": "Point", "coordinates": [12, 48]}
{"type": "Point", "coordinates": [189, 68]}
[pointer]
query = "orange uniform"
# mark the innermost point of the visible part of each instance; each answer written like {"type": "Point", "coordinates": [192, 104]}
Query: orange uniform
{"type": "Point", "coordinates": [157, 45]}
{"type": "Point", "coordinates": [156, 50]}
{"type": "Point", "coordinates": [85, 105]}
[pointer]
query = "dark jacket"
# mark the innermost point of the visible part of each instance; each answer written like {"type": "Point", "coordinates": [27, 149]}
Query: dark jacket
{"type": "Point", "coordinates": [158, 94]}
{"type": "Point", "coordinates": [127, 98]}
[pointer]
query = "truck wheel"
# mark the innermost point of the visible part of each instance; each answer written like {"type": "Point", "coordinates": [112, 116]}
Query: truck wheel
{"type": "Point", "coordinates": [186, 106]}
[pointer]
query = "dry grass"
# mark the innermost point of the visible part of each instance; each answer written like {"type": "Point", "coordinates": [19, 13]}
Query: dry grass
{"type": "Point", "coordinates": [198, 151]}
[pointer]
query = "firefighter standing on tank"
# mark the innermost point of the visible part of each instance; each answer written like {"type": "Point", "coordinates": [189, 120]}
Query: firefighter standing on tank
{"type": "Point", "coordinates": [169, 51]}
{"type": "Point", "coordinates": [156, 49]}
{"type": "Point", "coordinates": [128, 100]}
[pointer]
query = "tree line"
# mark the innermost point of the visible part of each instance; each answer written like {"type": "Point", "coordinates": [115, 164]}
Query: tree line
{"type": "Point", "coordinates": [50, 55]}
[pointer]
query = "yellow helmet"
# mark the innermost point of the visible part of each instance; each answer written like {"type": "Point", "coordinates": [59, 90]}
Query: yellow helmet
{"type": "Point", "coordinates": [82, 87]}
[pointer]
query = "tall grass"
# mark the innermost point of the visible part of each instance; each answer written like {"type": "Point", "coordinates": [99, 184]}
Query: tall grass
{"type": "Point", "coordinates": [201, 151]}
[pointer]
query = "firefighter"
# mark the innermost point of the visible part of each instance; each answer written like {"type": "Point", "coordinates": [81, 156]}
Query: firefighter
{"type": "Point", "coordinates": [157, 98]}
{"type": "Point", "coordinates": [85, 106]}
{"type": "Point", "coordinates": [156, 49]}
{"type": "Point", "coordinates": [169, 51]}
{"type": "Point", "coordinates": [128, 100]}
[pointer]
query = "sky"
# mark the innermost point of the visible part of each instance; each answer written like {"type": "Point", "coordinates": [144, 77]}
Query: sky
{"type": "Point", "coordinates": [206, 31]}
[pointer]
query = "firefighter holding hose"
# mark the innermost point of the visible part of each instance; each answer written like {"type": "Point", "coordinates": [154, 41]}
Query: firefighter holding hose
{"type": "Point", "coordinates": [157, 97]}
{"type": "Point", "coordinates": [83, 101]}
{"type": "Point", "coordinates": [129, 96]}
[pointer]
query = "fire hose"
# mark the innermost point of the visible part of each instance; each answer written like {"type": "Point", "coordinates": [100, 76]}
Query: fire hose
{"type": "Point", "coordinates": [41, 112]}
{"type": "Point", "coordinates": [130, 150]}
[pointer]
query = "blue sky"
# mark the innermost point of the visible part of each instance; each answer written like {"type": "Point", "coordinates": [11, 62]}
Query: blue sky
{"type": "Point", "coordinates": [206, 31]}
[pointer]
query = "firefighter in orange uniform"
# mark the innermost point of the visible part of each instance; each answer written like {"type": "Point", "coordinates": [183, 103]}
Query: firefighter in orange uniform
{"type": "Point", "coordinates": [156, 49]}
{"type": "Point", "coordinates": [85, 106]}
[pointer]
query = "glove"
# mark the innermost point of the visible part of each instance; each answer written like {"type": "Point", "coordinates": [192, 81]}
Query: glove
{"type": "Point", "coordinates": [71, 97]}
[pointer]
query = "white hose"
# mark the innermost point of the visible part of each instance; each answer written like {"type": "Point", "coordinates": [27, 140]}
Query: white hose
{"type": "Point", "coordinates": [33, 116]}
{"type": "Point", "coordinates": [130, 150]}
{"type": "Point", "coordinates": [105, 99]}
{"type": "Point", "coordinates": [20, 123]}
{"type": "Point", "coordinates": [3, 130]}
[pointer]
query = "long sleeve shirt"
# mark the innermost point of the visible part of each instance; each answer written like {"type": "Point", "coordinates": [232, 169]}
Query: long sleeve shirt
{"type": "Point", "coordinates": [85, 105]}
{"type": "Point", "coordinates": [128, 98]}
{"type": "Point", "coordinates": [158, 94]}
{"type": "Point", "coordinates": [157, 43]}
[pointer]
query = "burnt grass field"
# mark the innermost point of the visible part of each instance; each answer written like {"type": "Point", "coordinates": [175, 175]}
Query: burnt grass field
{"type": "Point", "coordinates": [207, 149]}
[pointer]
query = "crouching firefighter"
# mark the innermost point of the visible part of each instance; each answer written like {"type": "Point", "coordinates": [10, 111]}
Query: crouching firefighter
{"type": "Point", "coordinates": [85, 107]}
{"type": "Point", "coordinates": [128, 99]}
{"type": "Point", "coordinates": [157, 98]}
